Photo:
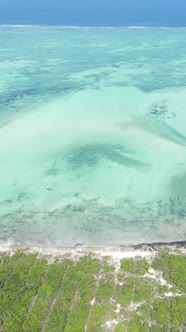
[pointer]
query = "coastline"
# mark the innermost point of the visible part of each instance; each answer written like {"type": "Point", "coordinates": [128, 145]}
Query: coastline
{"type": "Point", "coordinates": [115, 252]}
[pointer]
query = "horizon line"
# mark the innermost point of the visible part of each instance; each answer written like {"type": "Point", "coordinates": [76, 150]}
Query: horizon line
{"type": "Point", "coordinates": [92, 27]}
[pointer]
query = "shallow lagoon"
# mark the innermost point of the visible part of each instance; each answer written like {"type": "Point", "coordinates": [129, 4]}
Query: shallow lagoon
{"type": "Point", "coordinates": [92, 135]}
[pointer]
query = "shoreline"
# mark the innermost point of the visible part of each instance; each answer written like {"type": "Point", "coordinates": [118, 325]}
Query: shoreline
{"type": "Point", "coordinates": [115, 252]}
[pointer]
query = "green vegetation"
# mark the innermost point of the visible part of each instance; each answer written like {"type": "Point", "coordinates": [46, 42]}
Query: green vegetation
{"type": "Point", "coordinates": [91, 295]}
{"type": "Point", "coordinates": [135, 266]}
{"type": "Point", "coordinates": [173, 266]}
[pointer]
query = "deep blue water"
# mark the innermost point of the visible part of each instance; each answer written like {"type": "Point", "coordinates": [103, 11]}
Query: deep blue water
{"type": "Point", "coordinates": [94, 12]}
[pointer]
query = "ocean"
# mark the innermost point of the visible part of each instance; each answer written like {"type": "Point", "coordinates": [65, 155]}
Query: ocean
{"type": "Point", "coordinates": [94, 12]}
{"type": "Point", "coordinates": [92, 135]}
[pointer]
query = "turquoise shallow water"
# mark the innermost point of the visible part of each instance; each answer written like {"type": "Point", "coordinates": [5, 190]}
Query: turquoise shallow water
{"type": "Point", "coordinates": [92, 135]}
